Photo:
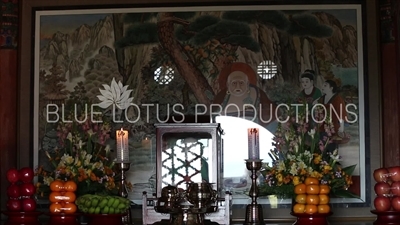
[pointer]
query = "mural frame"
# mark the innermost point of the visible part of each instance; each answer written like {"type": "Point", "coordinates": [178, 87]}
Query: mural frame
{"type": "Point", "coordinates": [27, 73]}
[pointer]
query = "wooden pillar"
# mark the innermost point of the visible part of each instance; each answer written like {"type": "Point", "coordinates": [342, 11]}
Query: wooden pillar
{"type": "Point", "coordinates": [8, 117]}
{"type": "Point", "coordinates": [390, 84]}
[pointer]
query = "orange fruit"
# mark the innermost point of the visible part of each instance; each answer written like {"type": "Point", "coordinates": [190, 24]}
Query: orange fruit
{"type": "Point", "coordinates": [70, 186]}
{"type": "Point", "coordinates": [55, 208]}
{"type": "Point", "coordinates": [69, 207]}
{"type": "Point", "coordinates": [301, 198]}
{"type": "Point", "coordinates": [69, 196]}
{"type": "Point", "coordinates": [299, 208]}
{"type": "Point", "coordinates": [312, 189]}
{"type": "Point", "coordinates": [323, 199]}
{"type": "Point", "coordinates": [311, 209]}
{"type": "Point", "coordinates": [57, 185]}
{"type": "Point", "coordinates": [324, 208]}
{"type": "Point", "coordinates": [312, 199]}
{"type": "Point", "coordinates": [311, 180]}
{"type": "Point", "coordinates": [55, 196]}
{"type": "Point", "coordinates": [300, 189]}
{"type": "Point", "coordinates": [324, 189]}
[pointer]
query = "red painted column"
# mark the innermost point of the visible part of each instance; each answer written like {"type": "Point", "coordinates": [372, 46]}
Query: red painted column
{"type": "Point", "coordinates": [8, 117]}
{"type": "Point", "coordinates": [8, 92]}
{"type": "Point", "coordinates": [390, 83]}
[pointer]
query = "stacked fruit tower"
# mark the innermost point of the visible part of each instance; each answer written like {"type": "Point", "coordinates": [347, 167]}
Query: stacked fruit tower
{"type": "Point", "coordinates": [21, 204]}
{"type": "Point", "coordinates": [62, 197]}
{"type": "Point", "coordinates": [311, 197]}
{"type": "Point", "coordinates": [387, 189]}
{"type": "Point", "coordinates": [21, 190]}
{"type": "Point", "coordinates": [62, 203]}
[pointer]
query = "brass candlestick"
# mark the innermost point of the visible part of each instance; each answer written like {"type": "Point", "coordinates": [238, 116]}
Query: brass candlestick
{"type": "Point", "coordinates": [122, 167]}
{"type": "Point", "coordinates": [254, 211]}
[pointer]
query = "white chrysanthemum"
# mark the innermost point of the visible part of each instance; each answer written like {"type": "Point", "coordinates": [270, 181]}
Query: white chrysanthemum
{"type": "Point", "coordinates": [83, 153]}
{"type": "Point", "coordinates": [98, 165]}
{"type": "Point", "coordinates": [281, 166]}
{"type": "Point", "coordinates": [311, 133]}
{"type": "Point", "coordinates": [293, 169]}
{"type": "Point", "coordinates": [291, 157]}
{"type": "Point", "coordinates": [69, 136]}
{"type": "Point", "coordinates": [81, 144]}
{"type": "Point", "coordinates": [301, 165]}
{"type": "Point", "coordinates": [77, 161]}
{"type": "Point", "coordinates": [90, 132]}
{"type": "Point", "coordinates": [107, 149]}
{"type": "Point", "coordinates": [310, 170]}
{"type": "Point", "coordinates": [67, 159]}
{"type": "Point", "coordinates": [61, 164]}
{"type": "Point", "coordinates": [336, 157]}
{"type": "Point", "coordinates": [47, 180]}
{"type": "Point", "coordinates": [115, 94]}
{"type": "Point", "coordinates": [88, 157]}
{"type": "Point", "coordinates": [307, 154]}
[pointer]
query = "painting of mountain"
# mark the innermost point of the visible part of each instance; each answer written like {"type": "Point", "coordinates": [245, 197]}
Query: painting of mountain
{"type": "Point", "coordinates": [180, 58]}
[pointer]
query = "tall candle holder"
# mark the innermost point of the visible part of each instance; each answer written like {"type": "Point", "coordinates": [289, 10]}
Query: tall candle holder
{"type": "Point", "coordinates": [254, 211]}
{"type": "Point", "coordinates": [122, 168]}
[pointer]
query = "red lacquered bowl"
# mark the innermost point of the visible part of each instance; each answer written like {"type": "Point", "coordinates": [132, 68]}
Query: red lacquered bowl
{"type": "Point", "coordinates": [387, 217]}
{"type": "Point", "coordinates": [114, 219]}
{"type": "Point", "coordinates": [63, 218]}
{"type": "Point", "coordinates": [315, 218]}
{"type": "Point", "coordinates": [22, 218]}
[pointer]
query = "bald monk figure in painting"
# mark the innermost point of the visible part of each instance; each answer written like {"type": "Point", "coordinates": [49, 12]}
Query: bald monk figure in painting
{"type": "Point", "coordinates": [240, 96]}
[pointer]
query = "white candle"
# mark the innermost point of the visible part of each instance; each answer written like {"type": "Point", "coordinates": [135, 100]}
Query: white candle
{"type": "Point", "coordinates": [253, 143]}
{"type": "Point", "coordinates": [122, 145]}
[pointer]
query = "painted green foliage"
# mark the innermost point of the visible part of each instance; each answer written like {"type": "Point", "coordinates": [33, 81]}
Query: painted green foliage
{"type": "Point", "coordinates": [208, 42]}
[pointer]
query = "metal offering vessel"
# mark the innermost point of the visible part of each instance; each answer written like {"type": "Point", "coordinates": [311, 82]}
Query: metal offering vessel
{"type": "Point", "coordinates": [187, 207]}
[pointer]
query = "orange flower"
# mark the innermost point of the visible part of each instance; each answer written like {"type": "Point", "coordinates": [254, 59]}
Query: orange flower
{"type": "Point", "coordinates": [93, 177]}
{"type": "Point", "coordinates": [287, 179]}
{"type": "Point", "coordinates": [108, 170]}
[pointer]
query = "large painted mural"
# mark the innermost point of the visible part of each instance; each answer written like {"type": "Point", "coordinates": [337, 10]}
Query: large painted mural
{"type": "Point", "coordinates": [171, 61]}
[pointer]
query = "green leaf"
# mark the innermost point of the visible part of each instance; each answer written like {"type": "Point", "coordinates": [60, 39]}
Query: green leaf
{"type": "Point", "coordinates": [349, 170]}
{"type": "Point", "coordinates": [342, 193]}
{"type": "Point", "coordinates": [283, 191]}
{"type": "Point", "coordinates": [89, 147]}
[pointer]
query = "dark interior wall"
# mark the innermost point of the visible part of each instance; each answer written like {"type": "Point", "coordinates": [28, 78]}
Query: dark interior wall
{"type": "Point", "coordinates": [10, 106]}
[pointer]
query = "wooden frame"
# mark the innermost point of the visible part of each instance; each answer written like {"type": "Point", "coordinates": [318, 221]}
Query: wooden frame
{"type": "Point", "coordinates": [25, 138]}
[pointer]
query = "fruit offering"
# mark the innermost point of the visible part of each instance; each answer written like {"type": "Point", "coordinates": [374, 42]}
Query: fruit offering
{"type": "Point", "coordinates": [311, 197]}
{"type": "Point", "coordinates": [21, 190]}
{"type": "Point", "coordinates": [62, 197]}
{"type": "Point", "coordinates": [387, 189]}
{"type": "Point", "coordinates": [98, 204]}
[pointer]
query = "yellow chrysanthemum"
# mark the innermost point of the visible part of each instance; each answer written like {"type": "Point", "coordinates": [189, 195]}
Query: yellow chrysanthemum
{"type": "Point", "coordinates": [279, 177]}
{"type": "Point", "coordinates": [327, 169]}
{"type": "Point", "coordinates": [317, 159]}
{"type": "Point", "coordinates": [296, 180]}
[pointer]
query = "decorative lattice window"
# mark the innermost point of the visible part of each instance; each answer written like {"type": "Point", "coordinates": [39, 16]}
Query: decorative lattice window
{"type": "Point", "coordinates": [267, 69]}
{"type": "Point", "coordinates": [185, 160]}
{"type": "Point", "coordinates": [164, 75]}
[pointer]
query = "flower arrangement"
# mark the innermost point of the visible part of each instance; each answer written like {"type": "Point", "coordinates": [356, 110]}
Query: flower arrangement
{"type": "Point", "coordinates": [304, 146]}
{"type": "Point", "coordinates": [83, 156]}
